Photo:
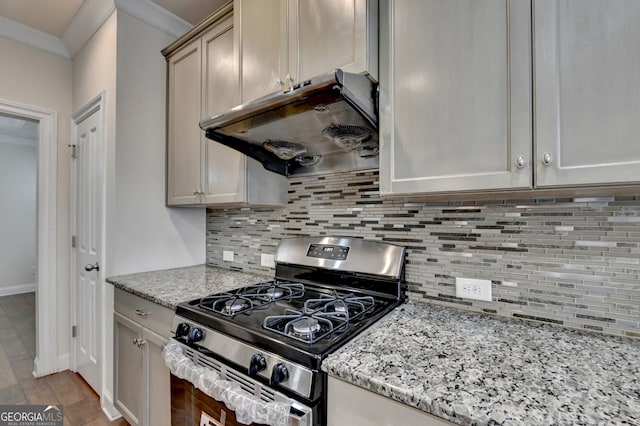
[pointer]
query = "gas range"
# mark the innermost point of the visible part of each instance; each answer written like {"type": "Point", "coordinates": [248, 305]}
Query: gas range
{"type": "Point", "coordinates": [326, 290]}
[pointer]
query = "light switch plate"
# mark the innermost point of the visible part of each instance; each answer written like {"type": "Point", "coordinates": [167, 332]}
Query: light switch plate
{"type": "Point", "coordinates": [471, 288]}
{"type": "Point", "coordinates": [227, 255]}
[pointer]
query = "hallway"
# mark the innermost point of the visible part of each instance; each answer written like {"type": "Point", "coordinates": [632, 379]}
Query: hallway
{"type": "Point", "coordinates": [17, 384]}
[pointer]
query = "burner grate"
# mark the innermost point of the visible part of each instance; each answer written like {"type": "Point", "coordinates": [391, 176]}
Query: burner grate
{"type": "Point", "coordinates": [320, 318]}
{"type": "Point", "coordinates": [246, 300]}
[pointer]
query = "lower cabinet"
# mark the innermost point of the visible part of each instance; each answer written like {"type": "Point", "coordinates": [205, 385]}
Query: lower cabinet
{"type": "Point", "coordinates": [352, 405]}
{"type": "Point", "coordinates": [141, 380]}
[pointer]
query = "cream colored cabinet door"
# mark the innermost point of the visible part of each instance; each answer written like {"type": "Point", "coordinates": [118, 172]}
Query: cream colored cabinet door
{"type": "Point", "coordinates": [455, 95]}
{"type": "Point", "coordinates": [283, 42]}
{"type": "Point", "coordinates": [351, 405]}
{"type": "Point", "coordinates": [331, 34]}
{"type": "Point", "coordinates": [157, 379]}
{"type": "Point", "coordinates": [224, 169]}
{"type": "Point", "coordinates": [263, 41]}
{"type": "Point", "coordinates": [184, 106]}
{"type": "Point", "coordinates": [587, 109]}
{"type": "Point", "coordinates": [128, 390]}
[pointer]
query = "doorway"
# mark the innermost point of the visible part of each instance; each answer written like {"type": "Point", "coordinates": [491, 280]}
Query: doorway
{"type": "Point", "coordinates": [88, 210]}
{"type": "Point", "coordinates": [46, 357]}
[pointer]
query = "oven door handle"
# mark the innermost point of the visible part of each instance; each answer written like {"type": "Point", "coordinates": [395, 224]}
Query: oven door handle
{"type": "Point", "coordinates": [226, 387]}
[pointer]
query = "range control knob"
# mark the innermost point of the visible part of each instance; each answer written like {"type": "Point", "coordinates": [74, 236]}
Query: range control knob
{"type": "Point", "coordinates": [195, 335]}
{"type": "Point", "coordinates": [257, 364]}
{"type": "Point", "coordinates": [279, 374]}
{"type": "Point", "coordinates": [182, 329]}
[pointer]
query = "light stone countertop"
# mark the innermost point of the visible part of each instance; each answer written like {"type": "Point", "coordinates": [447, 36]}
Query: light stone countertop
{"type": "Point", "coordinates": [171, 287]}
{"type": "Point", "coordinates": [477, 369]}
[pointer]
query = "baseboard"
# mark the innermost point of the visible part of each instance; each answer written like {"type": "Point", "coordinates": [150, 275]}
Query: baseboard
{"type": "Point", "coordinates": [64, 362]}
{"type": "Point", "coordinates": [109, 410]}
{"type": "Point", "coordinates": [17, 289]}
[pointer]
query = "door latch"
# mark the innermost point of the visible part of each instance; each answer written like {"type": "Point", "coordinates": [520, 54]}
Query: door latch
{"type": "Point", "coordinates": [90, 267]}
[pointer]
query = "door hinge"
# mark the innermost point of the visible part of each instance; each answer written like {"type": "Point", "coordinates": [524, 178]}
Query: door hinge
{"type": "Point", "coordinates": [73, 241]}
{"type": "Point", "coordinates": [74, 152]}
{"type": "Point", "coordinates": [74, 330]}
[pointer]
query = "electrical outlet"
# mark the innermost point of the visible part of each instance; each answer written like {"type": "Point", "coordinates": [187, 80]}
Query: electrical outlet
{"type": "Point", "coordinates": [267, 260]}
{"type": "Point", "coordinates": [227, 255]}
{"type": "Point", "coordinates": [471, 288]}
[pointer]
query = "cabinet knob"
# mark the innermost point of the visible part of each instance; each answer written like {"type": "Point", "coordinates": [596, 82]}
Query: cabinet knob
{"type": "Point", "coordinates": [547, 159]}
{"type": "Point", "coordinates": [280, 82]}
{"type": "Point", "coordinates": [195, 192]}
{"type": "Point", "coordinates": [520, 161]}
{"type": "Point", "coordinates": [141, 313]}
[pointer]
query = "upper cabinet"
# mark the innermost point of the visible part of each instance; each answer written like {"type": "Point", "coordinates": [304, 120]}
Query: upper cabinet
{"type": "Point", "coordinates": [203, 80]}
{"type": "Point", "coordinates": [464, 82]}
{"type": "Point", "coordinates": [587, 104]}
{"type": "Point", "coordinates": [283, 42]}
{"type": "Point", "coordinates": [455, 95]}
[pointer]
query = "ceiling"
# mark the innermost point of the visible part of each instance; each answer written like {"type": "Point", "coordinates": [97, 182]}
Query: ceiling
{"type": "Point", "coordinates": [53, 16]}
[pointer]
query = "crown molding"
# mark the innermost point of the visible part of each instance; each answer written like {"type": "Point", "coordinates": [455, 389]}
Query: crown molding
{"type": "Point", "coordinates": [154, 15]}
{"type": "Point", "coordinates": [89, 18]}
{"type": "Point", "coordinates": [32, 37]}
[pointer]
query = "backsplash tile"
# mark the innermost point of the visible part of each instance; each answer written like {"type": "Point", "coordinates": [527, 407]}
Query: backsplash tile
{"type": "Point", "coordinates": [573, 262]}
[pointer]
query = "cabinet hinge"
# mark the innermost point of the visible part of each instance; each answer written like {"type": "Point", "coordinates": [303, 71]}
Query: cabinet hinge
{"type": "Point", "coordinates": [74, 330]}
{"type": "Point", "coordinates": [74, 152]}
{"type": "Point", "coordinates": [73, 241]}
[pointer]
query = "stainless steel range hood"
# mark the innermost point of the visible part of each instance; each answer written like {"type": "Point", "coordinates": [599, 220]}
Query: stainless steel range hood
{"type": "Point", "coordinates": [326, 124]}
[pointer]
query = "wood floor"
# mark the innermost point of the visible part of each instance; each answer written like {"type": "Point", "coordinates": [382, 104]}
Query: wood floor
{"type": "Point", "coordinates": [17, 384]}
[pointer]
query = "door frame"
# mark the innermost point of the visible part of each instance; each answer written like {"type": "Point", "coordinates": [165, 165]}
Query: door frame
{"type": "Point", "coordinates": [97, 106]}
{"type": "Point", "coordinates": [46, 361]}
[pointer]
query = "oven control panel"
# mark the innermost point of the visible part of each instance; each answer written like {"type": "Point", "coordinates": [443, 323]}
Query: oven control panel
{"type": "Point", "coordinates": [328, 251]}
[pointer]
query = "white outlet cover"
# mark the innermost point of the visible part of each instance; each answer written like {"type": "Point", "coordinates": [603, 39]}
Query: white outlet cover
{"type": "Point", "coordinates": [227, 255]}
{"type": "Point", "coordinates": [267, 260]}
{"type": "Point", "coordinates": [472, 288]}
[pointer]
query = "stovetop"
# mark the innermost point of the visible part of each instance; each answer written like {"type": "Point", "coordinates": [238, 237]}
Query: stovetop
{"type": "Point", "coordinates": [300, 321]}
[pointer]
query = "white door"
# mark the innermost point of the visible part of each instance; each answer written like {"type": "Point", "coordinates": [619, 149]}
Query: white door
{"type": "Point", "coordinates": [89, 196]}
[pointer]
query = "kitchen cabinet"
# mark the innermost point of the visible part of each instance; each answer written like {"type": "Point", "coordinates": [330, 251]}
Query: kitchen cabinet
{"type": "Point", "coordinates": [458, 109]}
{"type": "Point", "coordinates": [141, 379]}
{"type": "Point", "coordinates": [348, 404]}
{"type": "Point", "coordinates": [455, 95]}
{"type": "Point", "coordinates": [287, 41]}
{"type": "Point", "coordinates": [202, 80]}
{"type": "Point", "coordinates": [587, 64]}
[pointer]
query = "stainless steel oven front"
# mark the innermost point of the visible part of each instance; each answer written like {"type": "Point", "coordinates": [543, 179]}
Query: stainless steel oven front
{"type": "Point", "coordinates": [207, 392]}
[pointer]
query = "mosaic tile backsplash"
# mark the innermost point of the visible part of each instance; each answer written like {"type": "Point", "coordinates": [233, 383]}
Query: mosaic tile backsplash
{"type": "Point", "coordinates": [572, 262]}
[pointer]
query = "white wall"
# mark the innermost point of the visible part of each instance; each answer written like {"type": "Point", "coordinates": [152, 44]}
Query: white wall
{"type": "Point", "coordinates": [144, 234]}
{"type": "Point", "coordinates": [18, 257]}
{"type": "Point", "coordinates": [35, 78]}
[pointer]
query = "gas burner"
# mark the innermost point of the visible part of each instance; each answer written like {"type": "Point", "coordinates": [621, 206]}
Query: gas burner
{"type": "Point", "coordinates": [349, 305]}
{"type": "Point", "coordinates": [234, 306]}
{"type": "Point", "coordinates": [275, 290]}
{"type": "Point", "coordinates": [305, 327]}
{"type": "Point", "coordinates": [228, 304]}
{"type": "Point", "coordinates": [274, 293]}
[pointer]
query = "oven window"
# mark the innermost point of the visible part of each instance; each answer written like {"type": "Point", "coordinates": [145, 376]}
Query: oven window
{"type": "Point", "coordinates": [190, 406]}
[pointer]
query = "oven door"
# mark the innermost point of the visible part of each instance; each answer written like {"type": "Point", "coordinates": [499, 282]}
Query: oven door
{"type": "Point", "coordinates": [207, 392]}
